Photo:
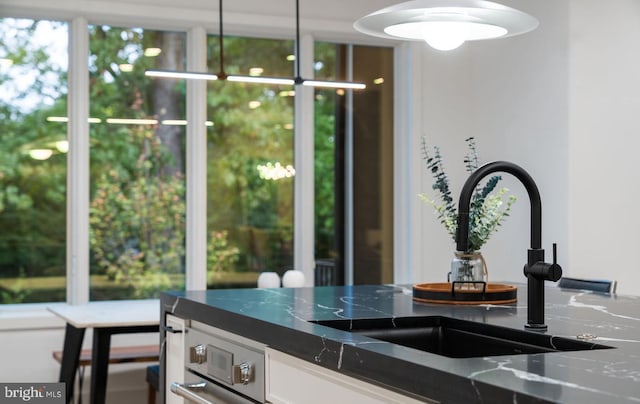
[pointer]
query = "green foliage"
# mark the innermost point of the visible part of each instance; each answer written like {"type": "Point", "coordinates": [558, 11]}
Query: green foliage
{"type": "Point", "coordinates": [486, 211]}
{"type": "Point", "coordinates": [13, 294]}
{"type": "Point", "coordinates": [325, 105]}
{"type": "Point", "coordinates": [137, 207]}
{"type": "Point", "coordinates": [253, 210]}
{"type": "Point", "coordinates": [138, 228]}
{"type": "Point", "coordinates": [137, 189]}
{"type": "Point", "coordinates": [32, 193]}
{"type": "Point", "coordinates": [11, 196]}
{"type": "Point", "coordinates": [137, 225]}
{"type": "Point", "coordinates": [221, 257]}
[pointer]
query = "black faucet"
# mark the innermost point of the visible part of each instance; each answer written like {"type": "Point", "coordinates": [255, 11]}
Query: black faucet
{"type": "Point", "coordinates": [536, 270]}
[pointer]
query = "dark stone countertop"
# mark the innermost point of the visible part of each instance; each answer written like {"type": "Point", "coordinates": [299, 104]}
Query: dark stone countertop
{"type": "Point", "coordinates": [280, 318]}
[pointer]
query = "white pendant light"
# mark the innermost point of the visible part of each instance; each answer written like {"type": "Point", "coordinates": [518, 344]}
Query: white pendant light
{"type": "Point", "coordinates": [446, 24]}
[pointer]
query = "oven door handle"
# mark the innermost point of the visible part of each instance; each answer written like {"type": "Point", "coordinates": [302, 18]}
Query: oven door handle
{"type": "Point", "coordinates": [189, 391]}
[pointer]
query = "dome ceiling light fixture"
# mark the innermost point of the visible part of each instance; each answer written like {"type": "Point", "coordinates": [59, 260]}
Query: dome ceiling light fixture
{"type": "Point", "coordinates": [446, 24]}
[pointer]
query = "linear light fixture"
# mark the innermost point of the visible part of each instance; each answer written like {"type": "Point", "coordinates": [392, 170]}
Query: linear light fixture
{"type": "Point", "coordinates": [446, 24]}
{"type": "Point", "coordinates": [65, 119]}
{"type": "Point", "coordinates": [222, 75]}
{"type": "Point", "coordinates": [174, 122]}
{"type": "Point", "coordinates": [261, 80]}
{"type": "Point", "coordinates": [172, 74]}
{"type": "Point", "coordinates": [132, 121]}
{"type": "Point", "coordinates": [317, 83]}
{"type": "Point", "coordinates": [120, 121]}
{"type": "Point", "coordinates": [241, 78]}
{"type": "Point", "coordinates": [333, 84]}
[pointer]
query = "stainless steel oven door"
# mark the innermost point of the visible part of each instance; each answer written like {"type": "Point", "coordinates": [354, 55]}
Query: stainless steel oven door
{"type": "Point", "coordinates": [202, 391]}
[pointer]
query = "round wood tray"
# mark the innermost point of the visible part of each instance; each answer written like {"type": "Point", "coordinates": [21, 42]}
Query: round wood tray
{"type": "Point", "coordinates": [443, 293]}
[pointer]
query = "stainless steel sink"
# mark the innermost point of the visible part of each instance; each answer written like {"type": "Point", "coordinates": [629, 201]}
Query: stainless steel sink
{"type": "Point", "coordinates": [458, 338]}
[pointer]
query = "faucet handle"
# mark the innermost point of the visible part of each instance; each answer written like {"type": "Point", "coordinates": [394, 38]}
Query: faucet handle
{"type": "Point", "coordinates": [545, 271]}
{"type": "Point", "coordinates": [555, 271]}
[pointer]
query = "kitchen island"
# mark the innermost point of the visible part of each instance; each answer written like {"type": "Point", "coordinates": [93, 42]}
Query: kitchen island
{"type": "Point", "coordinates": [286, 320]}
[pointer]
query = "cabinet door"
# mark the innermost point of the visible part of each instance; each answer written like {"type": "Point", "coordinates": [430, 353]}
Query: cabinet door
{"type": "Point", "coordinates": [174, 358]}
{"type": "Point", "coordinates": [292, 380]}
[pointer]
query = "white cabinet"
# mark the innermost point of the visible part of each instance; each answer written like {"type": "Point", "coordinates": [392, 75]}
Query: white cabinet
{"type": "Point", "coordinates": [292, 380]}
{"type": "Point", "coordinates": [174, 357]}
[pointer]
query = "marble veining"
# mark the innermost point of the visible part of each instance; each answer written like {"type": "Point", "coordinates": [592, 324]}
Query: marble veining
{"type": "Point", "coordinates": [285, 319]}
{"type": "Point", "coordinates": [528, 376]}
{"type": "Point", "coordinates": [573, 302]}
{"type": "Point", "coordinates": [337, 311]}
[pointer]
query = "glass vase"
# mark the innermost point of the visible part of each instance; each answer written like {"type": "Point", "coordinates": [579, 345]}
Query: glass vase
{"type": "Point", "coordinates": [468, 271]}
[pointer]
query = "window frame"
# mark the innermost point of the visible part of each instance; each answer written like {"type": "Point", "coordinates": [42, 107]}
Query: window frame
{"type": "Point", "coordinates": [78, 283]}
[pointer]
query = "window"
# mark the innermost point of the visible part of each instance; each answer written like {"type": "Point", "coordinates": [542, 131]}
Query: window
{"type": "Point", "coordinates": [136, 191]}
{"type": "Point", "coordinates": [33, 146]}
{"type": "Point", "coordinates": [250, 164]}
{"type": "Point", "coordinates": [329, 126]}
{"type": "Point", "coordinates": [372, 157]}
{"type": "Point", "coordinates": [137, 132]}
{"type": "Point", "coordinates": [354, 163]}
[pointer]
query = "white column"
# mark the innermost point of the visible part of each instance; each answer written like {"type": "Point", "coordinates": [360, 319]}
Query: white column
{"type": "Point", "coordinates": [348, 181]}
{"type": "Point", "coordinates": [304, 194]}
{"type": "Point", "coordinates": [196, 163]}
{"type": "Point", "coordinates": [407, 162]}
{"type": "Point", "coordinates": [78, 164]}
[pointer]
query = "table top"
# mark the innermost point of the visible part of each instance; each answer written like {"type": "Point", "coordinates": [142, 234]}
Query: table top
{"type": "Point", "coordinates": [116, 313]}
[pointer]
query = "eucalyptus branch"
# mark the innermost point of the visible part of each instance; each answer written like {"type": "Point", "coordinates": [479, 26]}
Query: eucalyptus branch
{"type": "Point", "coordinates": [447, 220]}
{"type": "Point", "coordinates": [435, 166]}
{"type": "Point", "coordinates": [471, 158]}
{"type": "Point", "coordinates": [486, 212]}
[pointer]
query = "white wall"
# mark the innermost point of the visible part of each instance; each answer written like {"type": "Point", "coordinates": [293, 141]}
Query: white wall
{"type": "Point", "coordinates": [28, 338]}
{"type": "Point", "coordinates": [605, 139]}
{"type": "Point", "coordinates": [561, 102]}
{"type": "Point", "coordinates": [511, 95]}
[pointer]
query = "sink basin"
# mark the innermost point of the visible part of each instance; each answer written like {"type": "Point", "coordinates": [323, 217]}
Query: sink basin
{"type": "Point", "coordinates": [458, 338]}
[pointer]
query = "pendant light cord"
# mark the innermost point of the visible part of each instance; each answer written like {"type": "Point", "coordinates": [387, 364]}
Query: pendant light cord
{"type": "Point", "coordinates": [298, 76]}
{"type": "Point", "coordinates": [221, 75]}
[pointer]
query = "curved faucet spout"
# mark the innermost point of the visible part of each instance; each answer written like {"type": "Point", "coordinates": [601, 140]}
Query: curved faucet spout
{"type": "Point", "coordinates": [462, 234]}
{"type": "Point", "coordinates": [536, 270]}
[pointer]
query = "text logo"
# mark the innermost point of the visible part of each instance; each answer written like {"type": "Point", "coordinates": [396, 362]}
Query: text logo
{"type": "Point", "coordinates": [41, 393]}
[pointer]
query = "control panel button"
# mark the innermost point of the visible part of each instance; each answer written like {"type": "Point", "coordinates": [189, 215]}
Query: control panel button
{"type": "Point", "coordinates": [242, 373]}
{"type": "Point", "coordinates": [198, 354]}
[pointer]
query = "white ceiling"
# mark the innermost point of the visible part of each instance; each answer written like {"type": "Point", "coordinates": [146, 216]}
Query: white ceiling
{"type": "Point", "coordinates": [324, 19]}
{"type": "Point", "coordinates": [346, 10]}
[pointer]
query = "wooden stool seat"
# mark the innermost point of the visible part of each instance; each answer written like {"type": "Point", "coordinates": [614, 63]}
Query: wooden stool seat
{"type": "Point", "coordinates": [122, 354]}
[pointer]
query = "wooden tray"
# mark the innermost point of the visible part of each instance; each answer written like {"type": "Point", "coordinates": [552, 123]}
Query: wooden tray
{"type": "Point", "coordinates": [443, 293]}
